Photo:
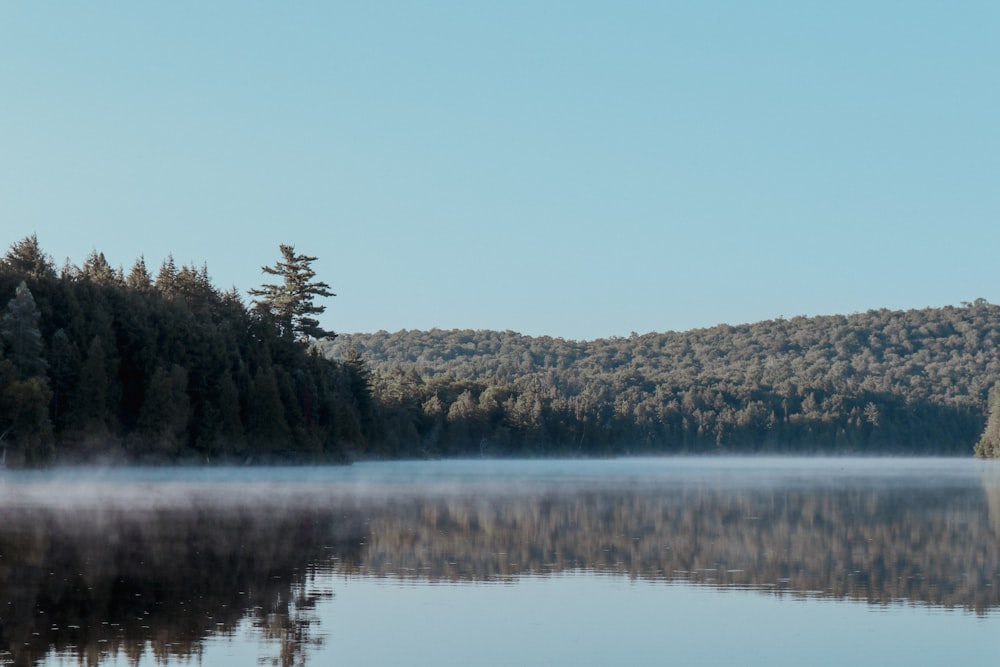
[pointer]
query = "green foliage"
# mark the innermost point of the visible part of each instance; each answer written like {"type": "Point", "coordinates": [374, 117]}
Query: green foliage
{"type": "Point", "coordinates": [139, 277]}
{"type": "Point", "coordinates": [26, 436]}
{"type": "Point", "coordinates": [97, 270]}
{"type": "Point", "coordinates": [100, 366]}
{"type": "Point", "coordinates": [166, 411]}
{"type": "Point", "coordinates": [64, 371]}
{"type": "Point", "coordinates": [20, 332]}
{"type": "Point", "coordinates": [91, 412]}
{"type": "Point", "coordinates": [266, 420]}
{"type": "Point", "coordinates": [989, 444]}
{"type": "Point", "coordinates": [290, 303]}
{"type": "Point", "coordinates": [26, 259]}
{"type": "Point", "coordinates": [878, 382]}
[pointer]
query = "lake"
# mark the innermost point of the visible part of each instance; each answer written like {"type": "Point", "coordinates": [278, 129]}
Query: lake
{"type": "Point", "coordinates": [692, 561]}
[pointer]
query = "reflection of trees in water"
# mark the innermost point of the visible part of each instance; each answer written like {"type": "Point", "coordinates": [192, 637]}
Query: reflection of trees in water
{"type": "Point", "coordinates": [991, 483]}
{"type": "Point", "coordinates": [291, 629]}
{"type": "Point", "coordinates": [100, 584]}
{"type": "Point", "coordinates": [936, 547]}
{"type": "Point", "coordinates": [95, 584]}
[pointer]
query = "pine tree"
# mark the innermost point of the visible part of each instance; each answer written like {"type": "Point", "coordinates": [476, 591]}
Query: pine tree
{"type": "Point", "coordinates": [361, 384]}
{"type": "Point", "coordinates": [267, 428]}
{"type": "Point", "coordinates": [25, 395]}
{"type": "Point", "coordinates": [988, 446]}
{"type": "Point", "coordinates": [290, 303]}
{"type": "Point", "coordinates": [97, 270]}
{"type": "Point", "coordinates": [163, 419]}
{"type": "Point", "coordinates": [24, 419]}
{"type": "Point", "coordinates": [139, 278]}
{"type": "Point", "coordinates": [90, 397]}
{"type": "Point", "coordinates": [65, 366]}
{"type": "Point", "coordinates": [166, 279]}
{"type": "Point", "coordinates": [20, 331]}
{"type": "Point", "coordinates": [26, 258]}
{"type": "Point", "coordinates": [195, 286]}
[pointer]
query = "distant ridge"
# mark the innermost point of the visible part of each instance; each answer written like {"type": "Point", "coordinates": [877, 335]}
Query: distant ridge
{"type": "Point", "coordinates": [882, 381]}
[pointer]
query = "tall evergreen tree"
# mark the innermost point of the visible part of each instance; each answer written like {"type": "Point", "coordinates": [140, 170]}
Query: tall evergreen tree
{"type": "Point", "coordinates": [163, 419]}
{"type": "Point", "coordinates": [361, 386]}
{"type": "Point", "coordinates": [97, 269]}
{"type": "Point", "coordinates": [290, 302]}
{"type": "Point", "coordinates": [139, 278]}
{"type": "Point", "coordinates": [26, 258]}
{"type": "Point", "coordinates": [166, 278]}
{"type": "Point", "coordinates": [65, 366]}
{"type": "Point", "coordinates": [24, 389]}
{"type": "Point", "coordinates": [24, 418]}
{"type": "Point", "coordinates": [989, 444]}
{"type": "Point", "coordinates": [219, 430]}
{"type": "Point", "coordinates": [90, 397]}
{"type": "Point", "coordinates": [195, 286]}
{"type": "Point", "coordinates": [268, 429]}
{"type": "Point", "coordinates": [20, 331]}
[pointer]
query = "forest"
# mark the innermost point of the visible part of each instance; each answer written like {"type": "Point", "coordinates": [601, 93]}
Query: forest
{"type": "Point", "coordinates": [100, 364]}
{"type": "Point", "coordinates": [103, 365]}
{"type": "Point", "coordinates": [881, 382]}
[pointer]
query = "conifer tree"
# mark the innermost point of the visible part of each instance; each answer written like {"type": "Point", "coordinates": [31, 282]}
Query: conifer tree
{"type": "Point", "coordinates": [166, 410]}
{"type": "Point", "coordinates": [290, 302]}
{"type": "Point", "coordinates": [166, 278]}
{"type": "Point", "coordinates": [24, 418]}
{"type": "Point", "coordinates": [26, 258]}
{"type": "Point", "coordinates": [97, 269]}
{"type": "Point", "coordinates": [988, 446]}
{"type": "Point", "coordinates": [195, 286]}
{"type": "Point", "coordinates": [139, 278]}
{"type": "Point", "coordinates": [267, 426]}
{"type": "Point", "coordinates": [90, 398]}
{"type": "Point", "coordinates": [65, 366]}
{"type": "Point", "coordinates": [360, 377]}
{"type": "Point", "coordinates": [20, 331]}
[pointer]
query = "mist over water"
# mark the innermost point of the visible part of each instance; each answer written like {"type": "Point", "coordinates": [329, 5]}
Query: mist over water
{"type": "Point", "coordinates": [157, 487]}
{"type": "Point", "coordinates": [168, 561]}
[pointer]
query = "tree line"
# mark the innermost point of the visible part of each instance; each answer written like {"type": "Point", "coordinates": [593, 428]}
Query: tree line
{"type": "Point", "coordinates": [97, 363]}
{"type": "Point", "coordinates": [101, 364]}
{"type": "Point", "coordinates": [880, 382]}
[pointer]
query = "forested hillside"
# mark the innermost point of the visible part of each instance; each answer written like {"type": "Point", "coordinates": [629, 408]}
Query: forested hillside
{"type": "Point", "coordinates": [101, 364]}
{"type": "Point", "coordinates": [879, 382]}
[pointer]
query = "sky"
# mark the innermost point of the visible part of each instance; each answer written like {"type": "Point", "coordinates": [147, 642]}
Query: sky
{"type": "Point", "coordinates": [578, 169]}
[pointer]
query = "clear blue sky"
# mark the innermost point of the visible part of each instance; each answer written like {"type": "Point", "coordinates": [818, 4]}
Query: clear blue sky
{"type": "Point", "coordinates": [577, 169]}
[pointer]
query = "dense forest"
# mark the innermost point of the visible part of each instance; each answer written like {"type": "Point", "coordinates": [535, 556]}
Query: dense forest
{"type": "Point", "coordinates": [102, 364]}
{"type": "Point", "coordinates": [880, 382]}
{"type": "Point", "coordinates": [99, 364]}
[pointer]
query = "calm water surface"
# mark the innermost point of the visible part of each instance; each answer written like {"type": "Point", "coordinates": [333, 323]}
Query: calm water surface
{"type": "Point", "coordinates": [631, 561]}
